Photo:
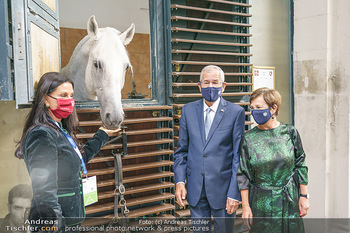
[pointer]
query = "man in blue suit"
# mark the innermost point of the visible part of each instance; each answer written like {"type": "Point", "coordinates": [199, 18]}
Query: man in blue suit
{"type": "Point", "coordinates": [207, 155]}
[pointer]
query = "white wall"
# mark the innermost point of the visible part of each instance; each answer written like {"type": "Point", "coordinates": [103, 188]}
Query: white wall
{"type": "Point", "coordinates": [118, 14]}
{"type": "Point", "coordinates": [322, 49]}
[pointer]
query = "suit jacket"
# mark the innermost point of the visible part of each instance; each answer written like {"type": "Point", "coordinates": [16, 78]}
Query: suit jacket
{"type": "Point", "coordinates": [215, 160]}
{"type": "Point", "coordinates": [55, 170]}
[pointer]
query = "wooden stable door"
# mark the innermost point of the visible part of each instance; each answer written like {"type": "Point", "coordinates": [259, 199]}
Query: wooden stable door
{"type": "Point", "coordinates": [36, 44]}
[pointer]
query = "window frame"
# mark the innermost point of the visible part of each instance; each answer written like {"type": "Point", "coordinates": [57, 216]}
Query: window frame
{"type": "Point", "coordinates": [159, 15]}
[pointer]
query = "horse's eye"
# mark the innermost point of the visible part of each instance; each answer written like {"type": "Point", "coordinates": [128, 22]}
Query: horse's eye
{"type": "Point", "coordinates": [97, 64]}
{"type": "Point", "coordinates": [127, 67]}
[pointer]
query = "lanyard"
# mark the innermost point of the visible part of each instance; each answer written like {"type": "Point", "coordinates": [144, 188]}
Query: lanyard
{"type": "Point", "coordinates": [71, 141]}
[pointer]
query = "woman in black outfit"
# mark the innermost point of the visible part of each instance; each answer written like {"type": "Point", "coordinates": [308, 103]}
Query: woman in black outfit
{"type": "Point", "coordinates": [47, 145]}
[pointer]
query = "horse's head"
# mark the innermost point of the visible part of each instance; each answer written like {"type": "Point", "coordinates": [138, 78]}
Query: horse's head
{"type": "Point", "coordinates": [107, 63]}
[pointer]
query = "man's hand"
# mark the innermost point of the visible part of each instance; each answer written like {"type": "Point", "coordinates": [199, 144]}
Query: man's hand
{"type": "Point", "coordinates": [231, 206]}
{"type": "Point", "coordinates": [180, 193]}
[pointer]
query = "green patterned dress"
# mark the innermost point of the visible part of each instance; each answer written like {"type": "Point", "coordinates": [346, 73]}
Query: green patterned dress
{"type": "Point", "coordinates": [272, 165]}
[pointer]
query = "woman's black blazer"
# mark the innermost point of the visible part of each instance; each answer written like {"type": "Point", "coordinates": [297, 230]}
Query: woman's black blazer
{"type": "Point", "coordinates": [55, 171]}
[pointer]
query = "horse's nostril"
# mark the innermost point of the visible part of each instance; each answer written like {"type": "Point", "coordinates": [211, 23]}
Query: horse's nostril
{"type": "Point", "coordinates": [108, 119]}
{"type": "Point", "coordinates": [112, 121]}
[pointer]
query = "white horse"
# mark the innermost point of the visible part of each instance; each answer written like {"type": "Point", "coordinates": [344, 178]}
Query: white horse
{"type": "Point", "coordinates": [97, 68]}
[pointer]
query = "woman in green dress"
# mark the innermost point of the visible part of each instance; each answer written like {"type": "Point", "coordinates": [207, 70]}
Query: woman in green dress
{"type": "Point", "coordinates": [272, 175]}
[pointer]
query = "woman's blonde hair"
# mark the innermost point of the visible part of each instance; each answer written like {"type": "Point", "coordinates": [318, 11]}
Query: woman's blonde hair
{"type": "Point", "coordinates": [270, 96]}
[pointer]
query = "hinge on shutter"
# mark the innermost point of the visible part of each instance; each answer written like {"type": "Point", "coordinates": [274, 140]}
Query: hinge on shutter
{"type": "Point", "coordinates": [9, 51]}
{"type": "Point", "coordinates": [20, 38]}
{"type": "Point", "coordinates": [33, 12]}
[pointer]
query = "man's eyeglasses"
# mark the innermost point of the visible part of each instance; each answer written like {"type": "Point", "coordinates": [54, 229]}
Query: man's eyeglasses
{"type": "Point", "coordinates": [214, 84]}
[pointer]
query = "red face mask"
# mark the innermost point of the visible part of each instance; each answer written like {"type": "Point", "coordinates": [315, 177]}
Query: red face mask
{"type": "Point", "coordinates": [64, 107]}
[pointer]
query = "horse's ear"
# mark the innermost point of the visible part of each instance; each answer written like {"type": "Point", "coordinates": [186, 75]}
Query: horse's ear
{"type": "Point", "coordinates": [92, 27]}
{"type": "Point", "coordinates": [127, 36]}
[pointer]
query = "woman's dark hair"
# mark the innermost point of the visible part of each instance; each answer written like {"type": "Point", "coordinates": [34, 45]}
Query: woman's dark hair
{"type": "Point", "coordinates": [39, 114]}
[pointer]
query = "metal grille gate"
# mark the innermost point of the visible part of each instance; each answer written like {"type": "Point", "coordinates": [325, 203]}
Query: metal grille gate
{"type": "Point", "coordinates": [146, 169]}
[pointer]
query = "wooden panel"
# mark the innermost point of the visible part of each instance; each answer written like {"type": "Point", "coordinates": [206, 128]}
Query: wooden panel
{"type": "Point", "coordinates": [238, 103]}
{"type": "Point", "coordinates": [176, 29]}
{"type": "Point", "coordinates": [133, 167]}
{"type": "Point", "coordinates": [51, 4]}
{"type": "Point", "coordinates": [198, 73]}
{"type": "Point", "coordinates": [205, 63]}
{"type": "Point", "coordinates": [230, 3]}
{"type": "Point", "coordinates": [127, 109]}
{"type": "Point", "coordinates": [210, 21]}
{"type": "Point", "coordinates": [138, 144]}
{"type": "Point", "coordinates": [195, 84]}
{"type": "Point", "coordinates": [128, 121]}
{"type": "Point", "coordinates": [138, 189]}
{"type": "Point", "coordinates": [209, 10]}
{"type": "Point", "coordinates": [183, 213]}
{"type": "Point", "coordinates": [131, 179]}
{"type": "Point", "coordinates": [210, 42]}
{"type": "Point", "coordinates": [45, 52]}
{"type": "Point", "coordinates": [210, 52]}
{"type": "Point", "coordinates": [132, 156]}
{"type": "Point", "coordinates": [223, 94]}
{"type": "Point", "coordinates": [129, 133]}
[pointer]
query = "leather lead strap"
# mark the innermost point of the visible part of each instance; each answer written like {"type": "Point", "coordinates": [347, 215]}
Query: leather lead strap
{"type": "Point", "coordinates": [120, 188]}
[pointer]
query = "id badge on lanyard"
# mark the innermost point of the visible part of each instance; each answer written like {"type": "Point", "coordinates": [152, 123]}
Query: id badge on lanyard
{"type": "Point", "coordinates": [90, 190]}
{"type": "Point", "coordinates": [89, 183]}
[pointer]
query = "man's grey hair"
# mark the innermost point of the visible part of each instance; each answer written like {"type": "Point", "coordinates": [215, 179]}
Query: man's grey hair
{"type": "Point", "coordinates": [210, 68]}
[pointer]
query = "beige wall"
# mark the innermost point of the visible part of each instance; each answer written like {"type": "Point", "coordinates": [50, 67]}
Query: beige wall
{"type": "Point", "coordinates": [270, 39]}
{"type": "Point", "coordinates": [12, 170]}
{"type": "Point", "coordinates": [322, 50]}
{"type": "Point", "coordinates": [109, 13]}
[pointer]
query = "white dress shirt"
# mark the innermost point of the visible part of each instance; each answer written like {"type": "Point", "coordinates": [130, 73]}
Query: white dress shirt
{"type": "Point", "coordinates": [212, 113]}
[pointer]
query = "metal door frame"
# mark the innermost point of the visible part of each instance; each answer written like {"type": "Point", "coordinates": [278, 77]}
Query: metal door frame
{"type": "Point", "coordinates": [6, 82]}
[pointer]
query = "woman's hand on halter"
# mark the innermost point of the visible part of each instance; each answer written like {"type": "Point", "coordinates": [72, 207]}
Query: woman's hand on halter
{"type": "Point", "coordinates": [110, 132]}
